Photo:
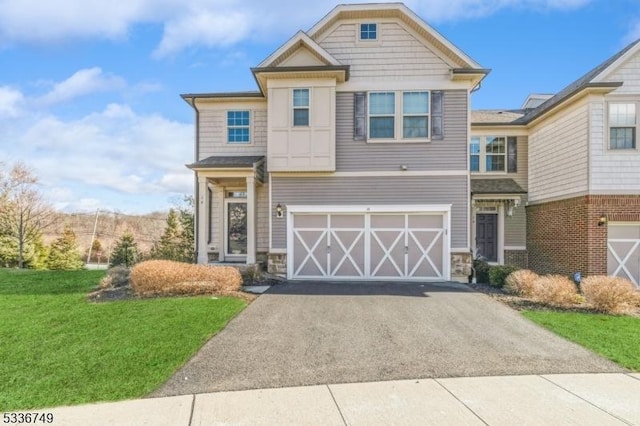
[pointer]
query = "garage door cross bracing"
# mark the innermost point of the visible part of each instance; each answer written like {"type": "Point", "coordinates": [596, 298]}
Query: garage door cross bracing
{"type": "Point", "coordinates": [380, 245]}
{"type": "Point", "coordinates": [623, 251]}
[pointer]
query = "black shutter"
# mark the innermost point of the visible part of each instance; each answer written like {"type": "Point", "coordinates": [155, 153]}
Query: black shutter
{"type": "Point", "coordinates": [360, 116]}
{"type": "Point", "coordinates": [437, 124]}
{"type": "Point", "coordinates": [512, 154]}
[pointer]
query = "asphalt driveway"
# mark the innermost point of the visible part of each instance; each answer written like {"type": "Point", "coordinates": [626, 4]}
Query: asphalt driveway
{"type": "Point", "coordinates": [323, 333]}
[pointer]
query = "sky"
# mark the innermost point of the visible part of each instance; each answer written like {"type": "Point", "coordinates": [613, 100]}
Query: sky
{"type": "Point", "coordinates": [89, 91]}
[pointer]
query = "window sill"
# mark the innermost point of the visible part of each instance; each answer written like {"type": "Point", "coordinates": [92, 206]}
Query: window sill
{"type": "Point", "coordinates": [397, 141]}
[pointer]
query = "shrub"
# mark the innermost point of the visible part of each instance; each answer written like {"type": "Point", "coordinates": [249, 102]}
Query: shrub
{"type": "Point", "coordinates": [482, 271]}
{"type": "Point", "coordinates": [555, 290]}
{"type": "Point", "coordinates": [613, 295]}
{"type": "Point", "coordinates": [498, 274]}
{"type": "Point", "coordinates": [118, 276]}
{"type": "Point", "coordinates": [520, 282]}
{"type": "Point", "coordinates": [168, 278]}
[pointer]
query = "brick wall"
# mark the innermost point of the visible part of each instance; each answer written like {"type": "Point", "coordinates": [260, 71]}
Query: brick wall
{"type": "Point", "coordinates": [564, 237]}
{"type": "Point", "coordinates": [516, 257]}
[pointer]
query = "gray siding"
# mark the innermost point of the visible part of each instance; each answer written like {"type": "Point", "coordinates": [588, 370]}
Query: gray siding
{"type": "Point", "coordinates": [515, 227]}
{"type": "Point", "coordinates": [447, 154]}
{"type": "Point", "coordinates": [367, 190]}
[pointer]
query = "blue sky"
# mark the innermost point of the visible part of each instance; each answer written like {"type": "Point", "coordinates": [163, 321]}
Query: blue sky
{"type": "Point", "coordinates": [89, 92]}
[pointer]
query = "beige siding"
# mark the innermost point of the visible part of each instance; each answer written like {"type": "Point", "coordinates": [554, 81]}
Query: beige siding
{"type": "Point", "coordinates": [213, 131]}
{"type": "Point", "coordinates": [515, 227]}
{"type": "Point", "coordinates": [367, 190]}
{"type": "Point", "coordinates": [262, 222]}
{"type": "Point", "coordinates": [611, 171]}
{"type": "Point", "coordinates": [628, 73]}
{"type": "Point", "coordinates": [398, 55]}
{"type": "Point", "coordinates": [447, 154]}
{"type": "Point", "coordinates": [558, 155]}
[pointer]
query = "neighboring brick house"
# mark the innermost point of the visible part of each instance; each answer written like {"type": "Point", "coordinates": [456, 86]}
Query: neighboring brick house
{"type": "Point", "coordinates": [359, 158]}
{"type": "Point", "coordinates": [583, 178]}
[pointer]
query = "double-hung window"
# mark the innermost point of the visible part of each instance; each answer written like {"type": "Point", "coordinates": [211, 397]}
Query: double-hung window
{"type": "Point", "coordinates": [493, 154]}
{"type": "Point", "coordinates": [382, 109]}
{"type": "Point", "coordinates": [496, 152]}
{"type": "Point", "coordinates": [238, 127]}
{"type": "Point", "coordinates": [623, 122]}
{"type": "Point", "coordinates": [415, 115]}
{"type": "Point", "coordinates": [300, 107]}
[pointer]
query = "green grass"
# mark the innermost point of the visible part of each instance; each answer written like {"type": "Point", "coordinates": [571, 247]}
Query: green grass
{"type": "Point", "coordinates": [614, 337]}
{"type": "Point", "coordinates": [58, 349]}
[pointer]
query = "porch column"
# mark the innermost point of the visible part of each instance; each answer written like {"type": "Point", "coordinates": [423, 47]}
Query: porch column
{"type": "Point", "coordinates": [203, 220]}
{"type": "Point", "coordinates": [251, 219]}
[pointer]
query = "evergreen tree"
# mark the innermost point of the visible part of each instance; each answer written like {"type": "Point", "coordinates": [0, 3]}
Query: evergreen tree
{"type": "Point", "coordinates": [126, 251]}
{"type": "Point", "coordinates": [187, 222]}
{"type": "Point", "coordinates": [176, 243]}
{"type": "Point", "coordinates": [64, 252]}
{"type": "Point", "coordinates": [34, 254]}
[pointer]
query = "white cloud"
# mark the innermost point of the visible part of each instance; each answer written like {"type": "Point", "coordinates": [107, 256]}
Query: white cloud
{"type": "Point", "coordinates": [116, 150]}
{"type": "Point", "coordinates": [209, 23]}
{"type": "Point", "coordinates": [11, 102]}
{"type": "Point", "coordinates": [81, 83]}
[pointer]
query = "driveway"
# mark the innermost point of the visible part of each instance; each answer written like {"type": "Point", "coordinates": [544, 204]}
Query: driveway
{"type": "Point", "coordinates": [308, 333]}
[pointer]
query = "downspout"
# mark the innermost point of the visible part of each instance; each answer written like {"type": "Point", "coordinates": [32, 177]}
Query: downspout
{"type": "Point", "coordinates": [196, 200]}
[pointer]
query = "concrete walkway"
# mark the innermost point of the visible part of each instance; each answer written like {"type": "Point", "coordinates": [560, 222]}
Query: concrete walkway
{"type": "Point", "coordinates": [562, 399]}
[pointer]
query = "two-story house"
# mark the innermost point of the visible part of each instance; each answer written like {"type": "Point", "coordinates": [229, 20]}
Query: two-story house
{"type": "Point", "coordinates": [579, 162]}
{"type": "Point", "coordinates": [350, 161]}
{"type": "Point", "coordinates": [359, 158]}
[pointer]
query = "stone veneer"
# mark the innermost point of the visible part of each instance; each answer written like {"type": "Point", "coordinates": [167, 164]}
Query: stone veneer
{"type": "Point", "coordinates": [564, 236]}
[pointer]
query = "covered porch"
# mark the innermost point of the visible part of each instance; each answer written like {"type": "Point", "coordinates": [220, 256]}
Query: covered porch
{"type": "Point", "coordinates": [227, 208]}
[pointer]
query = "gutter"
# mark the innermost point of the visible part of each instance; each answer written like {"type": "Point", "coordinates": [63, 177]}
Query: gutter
{"type": "Point", "coordinates": [196, 201]}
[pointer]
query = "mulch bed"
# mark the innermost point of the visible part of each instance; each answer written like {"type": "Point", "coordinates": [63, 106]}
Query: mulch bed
{"type": "Point", "coordinates": [523, 304]}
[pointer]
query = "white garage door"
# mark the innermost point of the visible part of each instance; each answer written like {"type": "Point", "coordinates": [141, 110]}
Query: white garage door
{"type": "Point", "coordinates": [383, 245]}
{"type": "Point", "coordinates": [623, 250]}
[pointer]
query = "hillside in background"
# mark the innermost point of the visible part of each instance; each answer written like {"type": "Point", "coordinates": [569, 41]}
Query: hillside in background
{"type": "Point", "coordinates": [110, 226]}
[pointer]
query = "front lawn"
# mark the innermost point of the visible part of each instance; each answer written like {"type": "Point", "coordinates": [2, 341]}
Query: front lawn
{"type": "Point", "coordinates": [58, 349]}
{"type": "Point", "coordinates": [614, 337]}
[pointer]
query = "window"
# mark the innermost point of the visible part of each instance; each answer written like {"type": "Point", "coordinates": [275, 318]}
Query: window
{"type": "Point", "coordinates": [474, 154]}
{"type": "Point", "coordinates": [300, 107]}
{"type": "Point", "coordinates": [238, 127]}
{"type": "Point", "coordinates": [495, 149]}
{"type": "Point", "coordinates": [415, 115]}
{"type": "Point", "coordinates": [622, 125]}
{"type": "Point", "coordinates": [491, 154]}
{"type": "Point", "coordinates": [368, 31]}
{"type": "Point", "coordinates": [382, 108]}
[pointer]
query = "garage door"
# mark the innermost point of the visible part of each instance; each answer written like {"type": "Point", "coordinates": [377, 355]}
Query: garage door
{"type": "Point", "coordinates": [383, 245]}
{"type": "Point", "coordinates": [623, 250]}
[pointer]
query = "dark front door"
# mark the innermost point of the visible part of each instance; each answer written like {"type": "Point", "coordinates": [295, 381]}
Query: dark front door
{"type": "Point", "coordinates": [487, 236]}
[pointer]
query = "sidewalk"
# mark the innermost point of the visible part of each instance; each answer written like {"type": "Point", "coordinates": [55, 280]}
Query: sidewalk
{"type": "Point", "coordinates": [563, 399]}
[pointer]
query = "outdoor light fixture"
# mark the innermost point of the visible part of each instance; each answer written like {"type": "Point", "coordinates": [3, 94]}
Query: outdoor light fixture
{"type": "Point", "coordinates": [602, 220]}
{"type": "Point", "coordinates": [279, 210]}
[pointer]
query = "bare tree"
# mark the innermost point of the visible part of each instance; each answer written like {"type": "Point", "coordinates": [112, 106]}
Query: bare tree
{"type": "Point", "coordinates": [23, 212]}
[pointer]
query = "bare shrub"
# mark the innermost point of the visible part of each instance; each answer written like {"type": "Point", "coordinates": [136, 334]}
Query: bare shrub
{"type": "Point", "coordinates": [613, 295]}
{"type": "Point", "coordinates": [118, 276]}
{"type": "Point", "coordinates": [555, 290]}
{"type": "Point", "coordinates": [168, 278]}
{"type": "Point", "coordinates": [520, 282]}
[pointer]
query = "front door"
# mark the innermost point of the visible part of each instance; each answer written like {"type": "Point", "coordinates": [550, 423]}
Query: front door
{"type": "Point", "coordinates": [236, 228]}
{"type": "Point", "coordinates": [487, 236]}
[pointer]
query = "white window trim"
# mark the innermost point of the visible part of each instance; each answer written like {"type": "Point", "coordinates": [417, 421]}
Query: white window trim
{"type": "Point", "coordinates": [227, 127]}
{"type": "Point", "coordinates": [294, 107]}
{"type": "Point", "coordinates": [398, 116]}
{"type": "Point", "coordinates": [483, 155]}
{"type": "Point", "coordinates": [607, 136]}
{"type": "Point", "coordinates": [369, 42]}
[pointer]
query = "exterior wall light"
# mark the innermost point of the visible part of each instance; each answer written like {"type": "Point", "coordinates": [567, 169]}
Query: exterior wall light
{"type": "Point", "coordinates": [279, 210]}
{"type": "Point", "coordinates": [602, 220]}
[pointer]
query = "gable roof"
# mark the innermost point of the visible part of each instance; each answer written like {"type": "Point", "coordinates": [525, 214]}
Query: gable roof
{"type": "Point", "coordinates": [396, 10]}
{"type": "Point", "coordinates": [587, 81]}
{"type": "Point", "coordinates": [485, 117]}
{"type": "Point", "coordinates": [300, 39]}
